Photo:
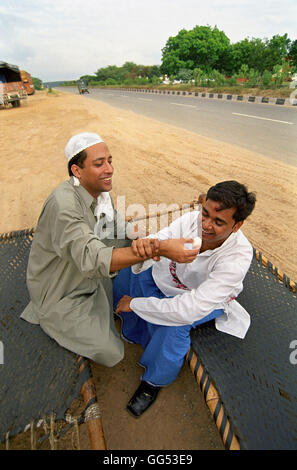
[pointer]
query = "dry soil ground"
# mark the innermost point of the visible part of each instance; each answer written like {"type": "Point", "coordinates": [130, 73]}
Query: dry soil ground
{"type": "Point", "coordinates": [154, 163]}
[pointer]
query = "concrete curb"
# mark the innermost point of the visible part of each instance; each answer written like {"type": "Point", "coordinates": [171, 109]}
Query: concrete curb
{"type": "Point", "coordinates": [222, 96]}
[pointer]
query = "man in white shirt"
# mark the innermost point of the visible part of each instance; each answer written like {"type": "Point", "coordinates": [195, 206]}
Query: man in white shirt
{"type": "Point", "coordinates": [159, 302]}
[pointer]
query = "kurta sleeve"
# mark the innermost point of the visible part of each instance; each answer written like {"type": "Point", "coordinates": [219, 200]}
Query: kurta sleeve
{"type": "Point", "coordinates": [73, 238]}
{"type": "Point", "coordinates": [177, 229]}
{"type": "Point", "coordinates": [188, 307]}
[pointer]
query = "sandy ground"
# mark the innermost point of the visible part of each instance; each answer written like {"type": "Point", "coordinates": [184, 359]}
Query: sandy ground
{"type": "Point", "coordinates": [154, 163]}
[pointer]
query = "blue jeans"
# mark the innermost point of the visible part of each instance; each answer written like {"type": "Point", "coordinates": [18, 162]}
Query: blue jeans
{"type": "Point", "coordinates": [164, 347]}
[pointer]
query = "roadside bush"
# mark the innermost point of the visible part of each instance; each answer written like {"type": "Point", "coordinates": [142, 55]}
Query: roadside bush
{"type": "Point", "coordinates": [232, 81]}
{"type": "Point", "coordinates": [266, 79]}
{"type": "Point", "coordinates": [110, 81]}
{"type": "Point", "coordinates": [254, 79]}
{"type": "Point", "coordinates": [197, 75]}
{"type": "Point", "coordinates": [185, 75]}
{"type": "Point", "coordinates": [219, 78]}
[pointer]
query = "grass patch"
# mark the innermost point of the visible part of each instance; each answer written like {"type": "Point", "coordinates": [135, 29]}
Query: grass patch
{"type": "Point", "coordinates": [280, 92]}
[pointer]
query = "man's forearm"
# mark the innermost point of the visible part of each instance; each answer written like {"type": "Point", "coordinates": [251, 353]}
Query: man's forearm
{"type": "Point", "coordinates": [123, 258]}
{"type": "Point", "coordinates": [173, 249]}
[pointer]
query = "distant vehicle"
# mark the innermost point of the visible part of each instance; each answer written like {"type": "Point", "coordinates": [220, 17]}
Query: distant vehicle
{"type": "Point", "coordinates": [83, 86]}
{"type": "Point", "coordinates": [12, 89]}
{"type": "Point", "coordinates": [28, 83]}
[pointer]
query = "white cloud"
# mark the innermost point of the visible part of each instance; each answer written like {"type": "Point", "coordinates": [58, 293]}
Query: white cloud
{"type": "Point", "coordinates": [65, 39]}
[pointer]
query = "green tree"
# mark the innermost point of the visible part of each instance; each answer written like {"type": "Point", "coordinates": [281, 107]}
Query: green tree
{"type": "Point", "coordinates": [131, 71]}
{"type": "Point", "coordinates": [88, 77]}
{"type": "Point", "coordinates": [152, 71]}
{"type": "Point", "coordinates": [202, 47]}
{"type": "Point", "coordinates": [37, 83]}
{"type": "Point", "coordinates": [258, 54]}
{"type": "Point", "coordinates": [276, 50]}
{"type": "Point", "coordinates": [250, 52]}
{"type": "Point", "coordinates": [292, 54]}
{"type": "Point", "coordinates": [111, 71]}
{"type": "Point", "coordinates": [128, 73]}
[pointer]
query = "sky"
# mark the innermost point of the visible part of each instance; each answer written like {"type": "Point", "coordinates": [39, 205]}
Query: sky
{"type": "Point", "coordinates": [64, 39]}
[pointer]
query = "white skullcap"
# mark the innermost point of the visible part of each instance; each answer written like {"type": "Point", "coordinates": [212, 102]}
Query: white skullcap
{"type": "Point", "coordinates": [80, 142]}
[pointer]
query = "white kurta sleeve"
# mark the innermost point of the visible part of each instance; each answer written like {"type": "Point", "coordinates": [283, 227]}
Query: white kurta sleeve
{"type": "Point", "coordinates": [222, 284]}
{"type": "Point", "coordinates": [177, 229]}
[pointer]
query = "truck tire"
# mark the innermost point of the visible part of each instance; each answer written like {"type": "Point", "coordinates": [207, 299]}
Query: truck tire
{"type": "Point", "coordinates": [16, 103]}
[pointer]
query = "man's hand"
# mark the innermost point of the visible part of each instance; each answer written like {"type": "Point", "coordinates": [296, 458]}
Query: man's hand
{"type": "Point", "coordinates": [146, 248]}
{"type": "Point", "coordinates": [175, 250]}
{"type": "Point", "coordinates": [124, 304]}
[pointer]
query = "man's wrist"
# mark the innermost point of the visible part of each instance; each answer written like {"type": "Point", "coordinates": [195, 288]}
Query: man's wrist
{"type": "Point", "coordinates": [163, 251]}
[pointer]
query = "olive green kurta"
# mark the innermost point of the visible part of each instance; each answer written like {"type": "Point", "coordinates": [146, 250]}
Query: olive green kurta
{"type": "Point", "coordinates": [69, 280]}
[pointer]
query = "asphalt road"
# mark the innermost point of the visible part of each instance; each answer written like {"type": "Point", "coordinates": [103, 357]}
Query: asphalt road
{"type": "Point", "coordinates": [268, 129]}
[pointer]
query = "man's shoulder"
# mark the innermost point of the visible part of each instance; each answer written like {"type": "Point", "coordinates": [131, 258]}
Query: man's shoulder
{"type": "Point", "coordinates": [242, 240]}
{"type": "Point", "coordinates": [188, 217]}
{"type": "Point", "coordinates": [64, 188]}
{"type": "Point", "coordinates": [238, 246]}
{"type": "Point", "coordinates": [63, 198]}
{"type": "Point", "coordinates": [184, 225]}
{"type": "Point", "coordinates": [63, 193]}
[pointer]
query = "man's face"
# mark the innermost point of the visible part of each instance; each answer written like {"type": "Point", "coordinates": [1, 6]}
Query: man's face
{"type": "Point", "coordinates": [96, 175]}
{"type": "Point", "coordinates": [217, 224]}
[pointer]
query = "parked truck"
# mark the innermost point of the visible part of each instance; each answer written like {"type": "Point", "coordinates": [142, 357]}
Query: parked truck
{"type": "Point", "coordinates": [28, 83]}
{"type": "Point", "coordinates": [12, 89]}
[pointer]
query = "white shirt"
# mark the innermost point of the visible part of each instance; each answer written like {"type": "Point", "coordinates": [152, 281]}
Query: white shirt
{"type": "Point", "coordinates": [212, 281]}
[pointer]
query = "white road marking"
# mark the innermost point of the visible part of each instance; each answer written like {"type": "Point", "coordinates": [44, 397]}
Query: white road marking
{"type": "Point", "coordinates": [263, 118]}
{"type": "Point", "coordinates": [124, 96]}
{"type": "Point", "coordinates": [144, 99]}
{"type": "Point", "coordinates": [187, 105]}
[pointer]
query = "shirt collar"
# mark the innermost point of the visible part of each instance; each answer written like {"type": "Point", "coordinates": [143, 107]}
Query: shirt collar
{"type": "Point", "coordinates": [85, 195]}
{"type": "Point", "coordinates": [227, 242]}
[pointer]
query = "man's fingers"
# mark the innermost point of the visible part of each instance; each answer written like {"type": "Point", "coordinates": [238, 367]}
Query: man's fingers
{"type": "Point", "coordinates": [190, 260]}
{"type": "Point", "coordinates": [156, 245]}
{"type": "Point", "coordinates": [188, 240]}
{"type": "Point", "coordinates": [134, 248]}
{"type": "Point", "coordinates": [145, 248]}
{"type": "Point", "coordinates": [138, 249]}
{"type": "Point", "coordinates": [192, 252]}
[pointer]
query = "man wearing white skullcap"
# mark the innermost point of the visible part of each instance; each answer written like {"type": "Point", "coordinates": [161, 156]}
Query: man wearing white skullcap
{"type": "Point", "coordinates": [77, 249]}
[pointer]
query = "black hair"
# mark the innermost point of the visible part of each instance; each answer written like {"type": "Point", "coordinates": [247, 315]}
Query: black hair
{"type": "Point", "coordinates": [78, 160]}
{"type": "Point", "coordinates": [233, 194]}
